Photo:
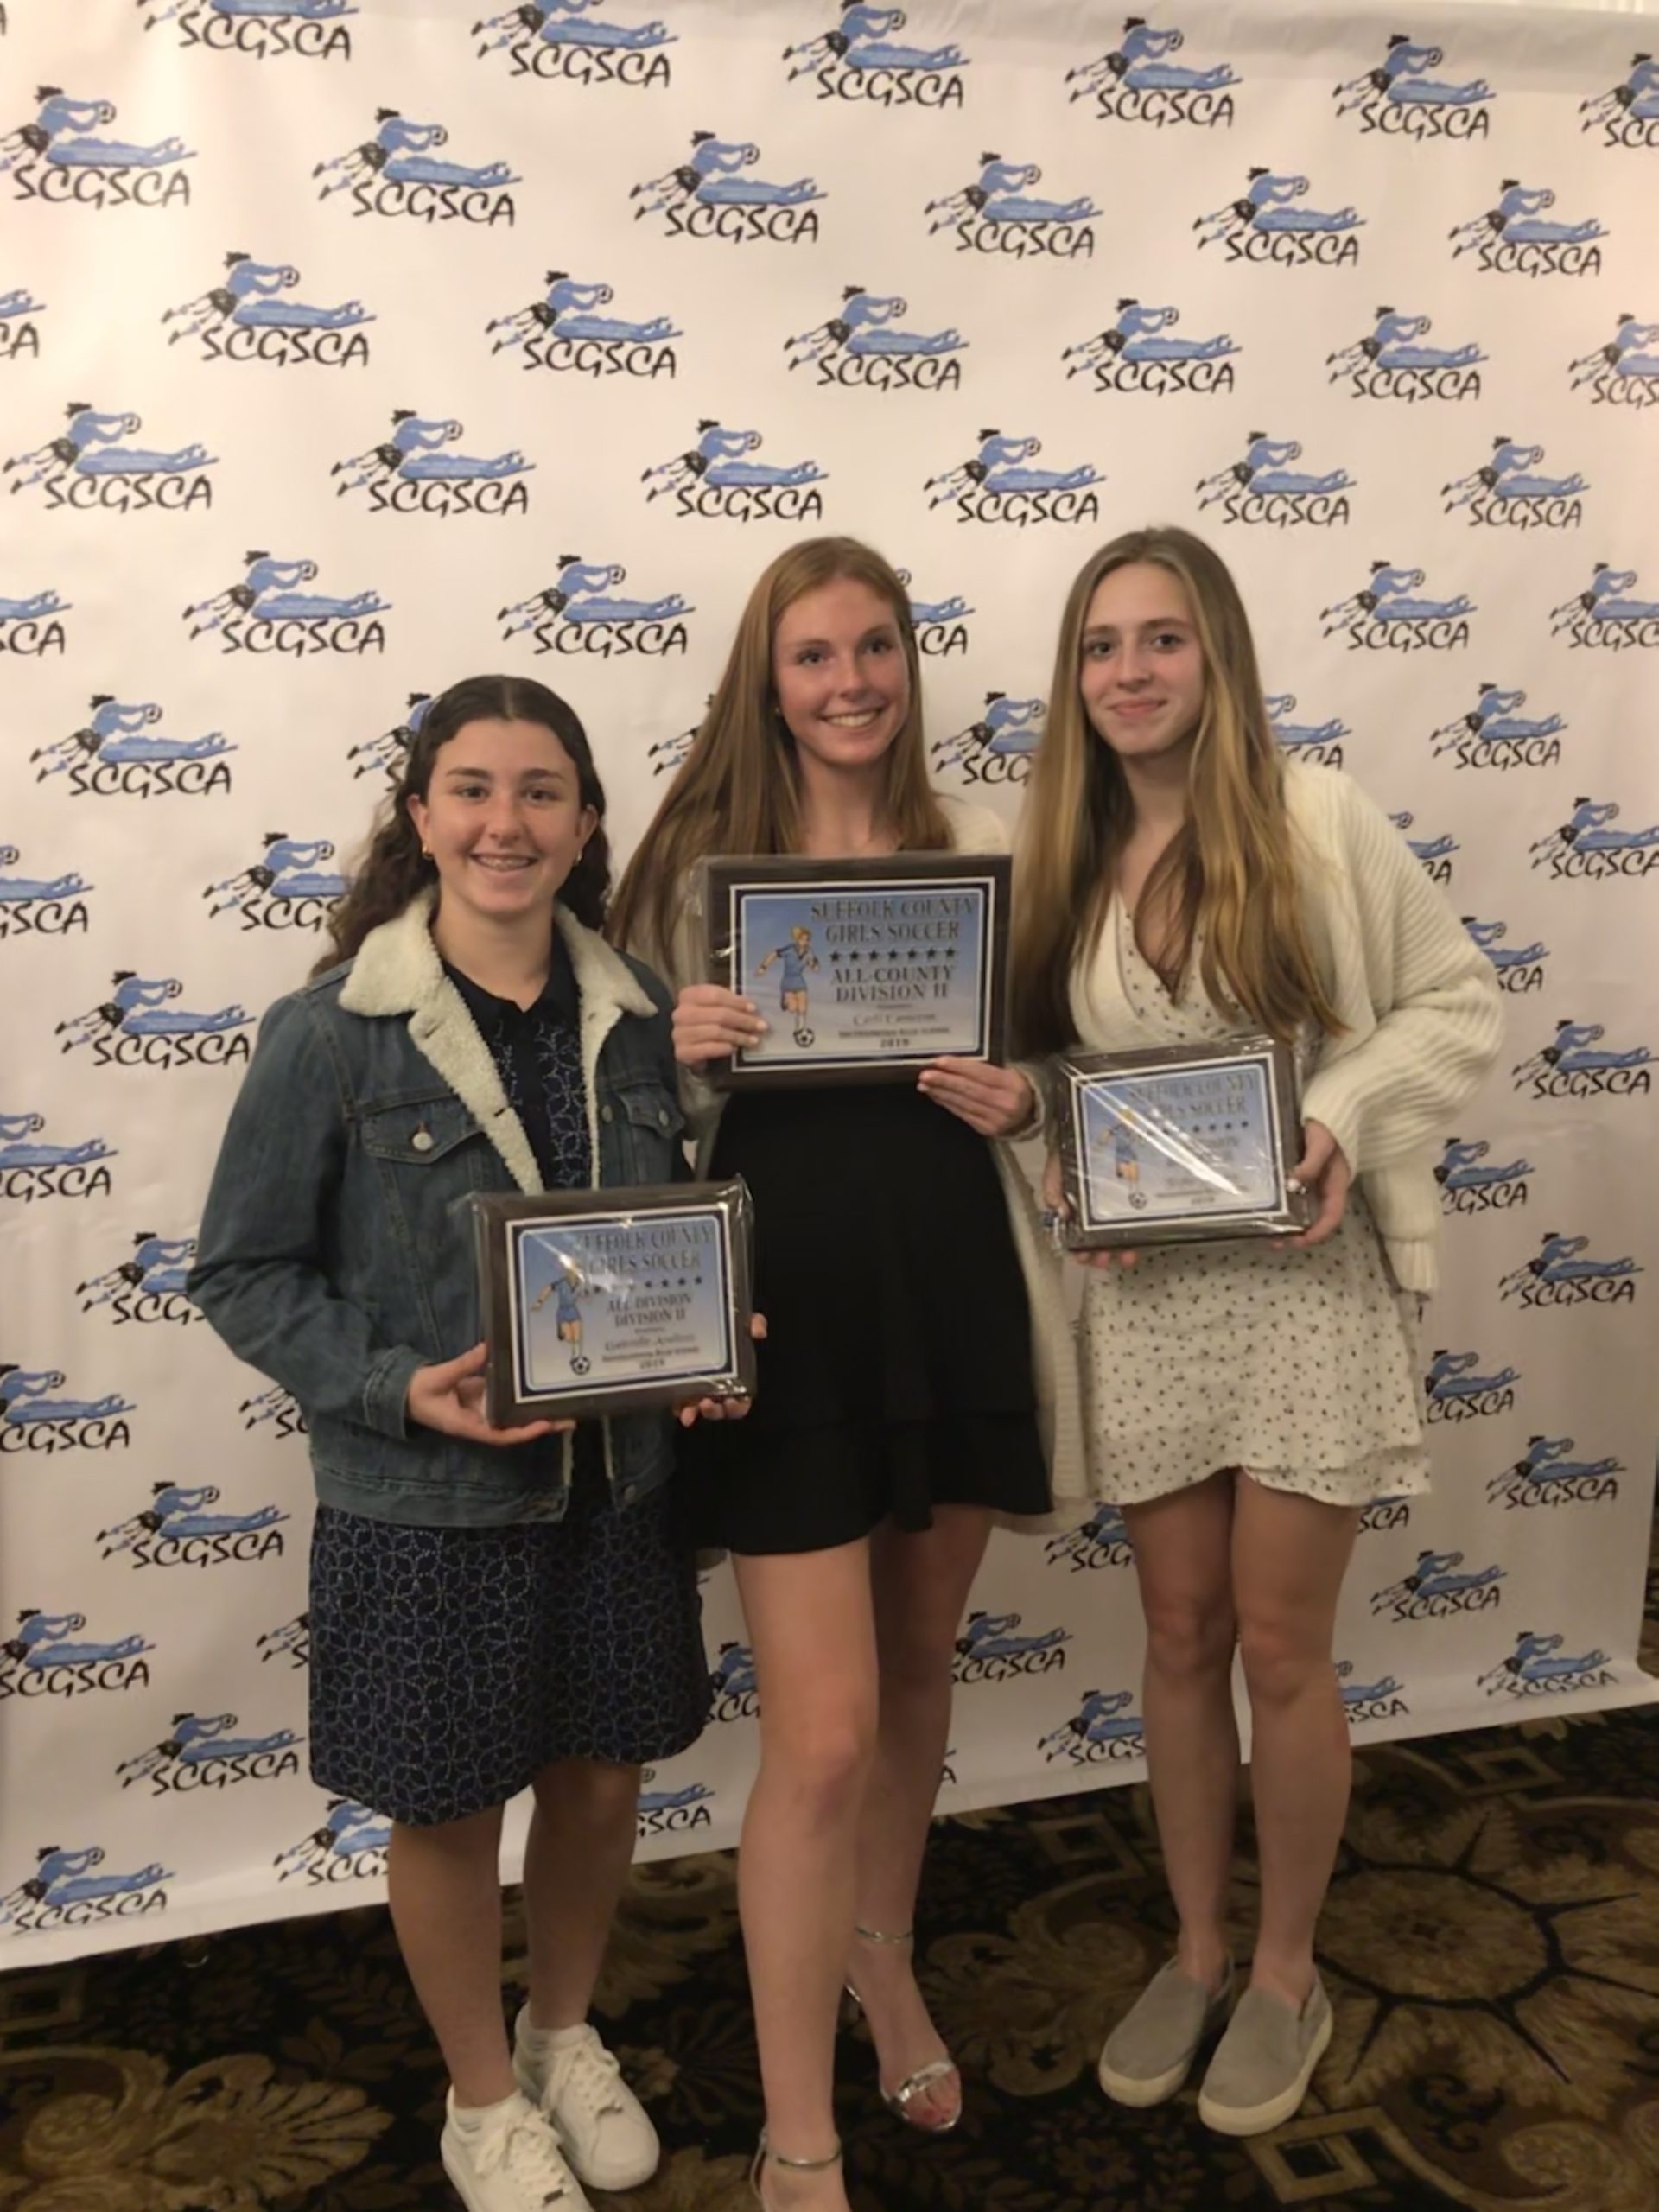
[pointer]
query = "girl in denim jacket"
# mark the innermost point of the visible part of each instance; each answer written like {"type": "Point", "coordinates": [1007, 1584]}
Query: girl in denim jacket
{"type": "Point", "coordinates": [490, 1609]}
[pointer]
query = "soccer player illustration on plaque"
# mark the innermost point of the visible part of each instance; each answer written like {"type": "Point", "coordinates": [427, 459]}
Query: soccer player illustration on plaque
{"type": "Point", "coordinates": [797, 956]}
{"type": "Point", "coordinates": [1115, 1141]}
{"type": "Point", "coordinates": [565, 1289]}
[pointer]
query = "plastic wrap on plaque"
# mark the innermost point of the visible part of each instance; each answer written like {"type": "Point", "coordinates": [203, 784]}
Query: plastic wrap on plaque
{"type": "Point", "coordinates": [606, 1302]}
{"type": "Point", "coordinates": [1180, 1145]}
{"type": "Point", "coordinates": [864, 970]}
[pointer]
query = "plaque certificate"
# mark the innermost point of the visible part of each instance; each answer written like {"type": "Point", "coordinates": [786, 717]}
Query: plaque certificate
{"type": "Point", "coordinates": [864, 971]}
{"type": "Point", "coordinates": [606, 1302]}
{"type": "Point", "coordinates": [1180, 1145]}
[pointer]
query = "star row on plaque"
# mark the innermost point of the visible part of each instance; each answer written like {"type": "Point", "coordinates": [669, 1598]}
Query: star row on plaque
{"type": "Point", "coordinates": [945, 952]}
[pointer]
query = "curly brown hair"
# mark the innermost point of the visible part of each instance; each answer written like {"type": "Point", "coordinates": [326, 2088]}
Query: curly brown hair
{"type": "Point", "coordinates": [394, 869]}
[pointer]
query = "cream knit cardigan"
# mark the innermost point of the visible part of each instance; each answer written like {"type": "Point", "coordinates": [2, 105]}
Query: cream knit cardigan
{"type": "Point", "coordinates": [1422, 1011]}
{"type": "Point", "coordinates": [1054, 1376]}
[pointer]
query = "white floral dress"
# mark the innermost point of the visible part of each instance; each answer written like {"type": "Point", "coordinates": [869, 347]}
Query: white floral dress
{"type": "Point", "coordinates": [1300, 1366]}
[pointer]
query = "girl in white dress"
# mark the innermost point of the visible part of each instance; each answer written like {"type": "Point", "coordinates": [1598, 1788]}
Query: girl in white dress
{"type": "Point", "coordinates": [1180, 881]}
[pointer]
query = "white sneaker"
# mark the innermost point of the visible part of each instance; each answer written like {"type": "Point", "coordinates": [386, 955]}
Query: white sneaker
{"type": "Point", "coordinates": [602, 2125]}
{"type": "Point", "coordinates": [509, 2162]}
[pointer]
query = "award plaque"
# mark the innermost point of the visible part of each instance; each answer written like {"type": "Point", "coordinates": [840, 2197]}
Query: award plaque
{"type": "Point", "coordinates": [606, 1301]}
{"type": "Point", "coordinates": [864, 970]}
{"type": "Point", "coordinates": [1181, 1145]}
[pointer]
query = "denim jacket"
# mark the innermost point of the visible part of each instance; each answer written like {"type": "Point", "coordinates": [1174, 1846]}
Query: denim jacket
{"type": "Point", "coordinates": [333, 1254]}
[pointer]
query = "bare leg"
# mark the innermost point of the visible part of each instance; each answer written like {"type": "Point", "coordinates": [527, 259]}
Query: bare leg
{"type": "Point", "coordinates": [810, 1622]}
{"type": "Point", "coordinates": [921, 1583]}
{"type": "Point", "coordinates": [1182, 1562]}
{"type": "Point", "coordinates": [577, 1858]}
{"type": "Point", "coordinates": [446, 1905]}
{"type": "Point", "coordinates": [1289, 1556]}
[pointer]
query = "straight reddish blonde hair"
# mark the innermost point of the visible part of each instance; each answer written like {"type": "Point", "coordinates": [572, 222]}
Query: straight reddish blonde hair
{"type": "Point", "coordinates": [736, 792]}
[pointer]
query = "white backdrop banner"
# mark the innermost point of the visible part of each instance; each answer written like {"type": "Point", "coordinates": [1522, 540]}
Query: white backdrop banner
{"type": "Point", "coordinates": [350, 347]}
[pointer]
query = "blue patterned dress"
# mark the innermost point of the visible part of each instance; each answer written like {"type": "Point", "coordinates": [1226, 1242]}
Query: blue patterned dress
{"type": "Point", "coordinates": [449, 1665]}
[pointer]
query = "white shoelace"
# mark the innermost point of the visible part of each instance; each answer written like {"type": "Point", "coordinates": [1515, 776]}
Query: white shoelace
{"type": "Point", "coordinates": [585, 2074]}
{"type": "Point", "coordinates": [527, 2149]}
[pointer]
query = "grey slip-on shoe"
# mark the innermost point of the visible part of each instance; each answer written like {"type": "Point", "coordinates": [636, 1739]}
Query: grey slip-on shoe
{"type": "Point", "coordinates": [1264, 2062]}
{"type": "Point", "coordinates": [1150, 2052]}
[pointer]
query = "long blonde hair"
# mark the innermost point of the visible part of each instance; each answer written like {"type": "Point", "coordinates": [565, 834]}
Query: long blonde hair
{"type": "Point", "coordinates": [1226, 882]}
{"type": "Point", "coordinates": [736, 790]}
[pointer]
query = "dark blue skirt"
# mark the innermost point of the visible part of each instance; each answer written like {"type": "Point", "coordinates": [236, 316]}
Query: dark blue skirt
{"type": "Point", "coordinates": [448, 1666]}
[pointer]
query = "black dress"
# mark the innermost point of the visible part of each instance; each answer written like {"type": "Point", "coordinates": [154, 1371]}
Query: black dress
{"type": "Point", "coordinates": [450, 1665]}
{"type": "Point", "coordinates": [897, 1373]}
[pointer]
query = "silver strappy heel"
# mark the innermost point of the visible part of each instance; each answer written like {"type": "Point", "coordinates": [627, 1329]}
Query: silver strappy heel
{"type": "Point", "coordinates": [924, 2078]}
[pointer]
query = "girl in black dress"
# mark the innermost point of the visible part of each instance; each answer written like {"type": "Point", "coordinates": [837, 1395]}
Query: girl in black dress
{"type": "Point", "coordinates": [913, 1366]}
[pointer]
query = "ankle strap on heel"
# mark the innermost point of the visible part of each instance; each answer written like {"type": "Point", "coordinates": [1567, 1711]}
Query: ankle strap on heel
{"type": "Point", "coordinates": [879, 1936]}
{"type": "Point", "coordinates": [765, 2155]}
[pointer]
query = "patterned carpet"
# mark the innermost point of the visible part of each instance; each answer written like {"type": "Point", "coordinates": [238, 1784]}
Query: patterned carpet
{"type": "Point", "coordinates": [1492, 1946]}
